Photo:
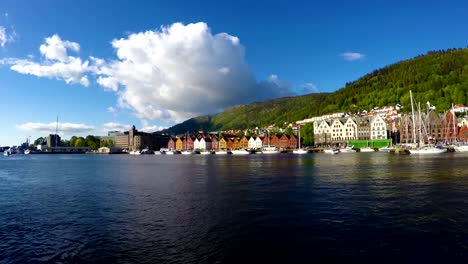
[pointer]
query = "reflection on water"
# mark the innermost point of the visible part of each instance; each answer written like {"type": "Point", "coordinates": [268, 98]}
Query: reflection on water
{"type": "Point", "coordinates": [255, 208]}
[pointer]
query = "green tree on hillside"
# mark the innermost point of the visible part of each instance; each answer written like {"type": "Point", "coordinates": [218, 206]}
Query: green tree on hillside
{"type": "Point", "coordinates": [307, 134]}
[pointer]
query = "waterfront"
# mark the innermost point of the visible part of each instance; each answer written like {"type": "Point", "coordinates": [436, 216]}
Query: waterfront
{"type": "Point", "coordinates": [373, 207]}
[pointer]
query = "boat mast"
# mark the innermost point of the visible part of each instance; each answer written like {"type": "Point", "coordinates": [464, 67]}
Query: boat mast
{"type": "Point", "coordinates": [299, 136]}
{"type": "Point", "coordinates": [412, 117]}
{"type": "Point", "coordinates": [407, 129]}
{"type": "Point", "coordinates": [420, 125]}
{"type": "Point", "coordinates": [428, 130]}
{"type": "Point", "coordinates": [454, 136]}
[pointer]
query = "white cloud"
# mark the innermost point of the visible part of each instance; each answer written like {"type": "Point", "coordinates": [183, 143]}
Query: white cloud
{"type": "Point", "coordinates": [309, 88]}
{"type": "Point", "coordinates": [56, 49]}
{"type": "Point", "coordinates": [5, 37]}
{"type": "Point", "coordinates": [111, 109]}
{"type": "Point", "coordinates": [116, 127]}
{"type": "Point", "coordinates": [150, 128]}
{"type": "Point", "coordinates": [71, 72]}
{"type": "Point", "coordinates": [181, 71]}
{"type": "Point", "coordinates": [352, 56]}
{"type": "Point", "coordinates": [65, 128]}
{"type": "Point", "coordinates": [57, 63]}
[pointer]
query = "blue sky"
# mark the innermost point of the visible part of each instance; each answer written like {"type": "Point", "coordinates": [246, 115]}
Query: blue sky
{"type": "Point", "coordinates": [110, 64]}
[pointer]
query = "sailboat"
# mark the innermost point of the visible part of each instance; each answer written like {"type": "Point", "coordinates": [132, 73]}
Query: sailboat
{"type": "Point", "coordinates": [268, 149]}
{"type": "Point", "coordinates": [421, 147]}
{"type": "Point", "coordinates": [300, 150]}
{"type": "Point", "coordinates": [27, 151]}
{"type": "Point", "coordinates": [186, 151]}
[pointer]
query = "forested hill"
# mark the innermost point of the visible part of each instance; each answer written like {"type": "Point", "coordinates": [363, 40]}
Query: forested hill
{"type": "Point", "coordinates": [440, 77]}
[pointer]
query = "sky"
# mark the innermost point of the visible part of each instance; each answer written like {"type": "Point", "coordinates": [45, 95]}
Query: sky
{"type": "Point", "coordinates": [107, 65]}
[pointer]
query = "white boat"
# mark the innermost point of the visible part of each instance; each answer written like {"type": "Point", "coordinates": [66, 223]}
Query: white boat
{"type": "Point", "coordinates": [27, 152]}
{"type": "Point", "coordinates": [240, 152]}
{"type": "Point", "coordinates": [221, 152]}
{"type": "Point", "coordinates": [385, 149]}
{"type": "Point", "coordinates": [204, 152]}
{"type": "Point", "coordinates": [299, 150]}
{"type": "Point", "coordinates": [269, 150]}
{"type": "Point", "coordinates": [186, 152]}
{"type": "Point", "coordinates": [427, 150]}
{"type": "Point", "coordinates": [166, 151]}
{"type": "Point", "coordinates": [331, 151]}
{"type": "Point", "coordinates": [7, 152]}
{"type": "Point", "coordinates": [366, 149]}
{"type": "Point", "coordinates": [348, 149]}
{"type": "Point", "coordinates": [135, 152]}
{"type": "Point", "coordinates": [461, 148]}
{"type": "Point", "coordinates": [145, 151]}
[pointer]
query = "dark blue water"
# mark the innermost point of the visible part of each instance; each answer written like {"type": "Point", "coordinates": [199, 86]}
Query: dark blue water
{"type": "Point", "coordinates": [367, 207]}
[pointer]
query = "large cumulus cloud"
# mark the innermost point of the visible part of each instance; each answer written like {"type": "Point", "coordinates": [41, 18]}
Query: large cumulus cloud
{"type": "Point", "coordinates": [181, 71]}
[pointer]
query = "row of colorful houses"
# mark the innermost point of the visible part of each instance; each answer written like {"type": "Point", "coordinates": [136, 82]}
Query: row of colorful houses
{"type": "Point", "coordinates": [203, 141]}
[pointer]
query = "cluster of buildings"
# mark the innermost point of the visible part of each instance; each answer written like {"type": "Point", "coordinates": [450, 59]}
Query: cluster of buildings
{"type": "Point", "coordinates": [135, 140]}
{"type": "Point", "coordinates": [382, 124]}
{"type": "Point", "coordinates": [385, 123]}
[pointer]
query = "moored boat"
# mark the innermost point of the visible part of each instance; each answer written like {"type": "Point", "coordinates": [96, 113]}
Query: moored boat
{"type": "Point", "coordinates": [428, 150]}
{"type": "Point", "coordinates": [331, 151]}
{"type": "Point", "coordinates": [366, 149]}
{"type": "Point", "coordinates": [269, 150]}
{"type": "Point", "coordinates": [299, 150]}
{"type": "Point", "coordinates": [145, 151]}
{"type": "Point", "coordinates": [461, 148]}
{"type": "Point", "coordinates": [385, 149]}
{"type": "Point", "coordinates": [349, 149]}
{"type": "Point", "coordinates": [240, 152]}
